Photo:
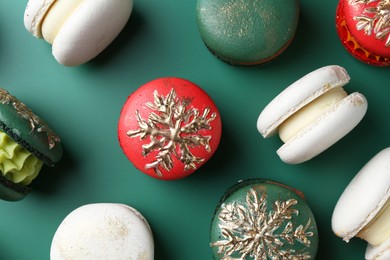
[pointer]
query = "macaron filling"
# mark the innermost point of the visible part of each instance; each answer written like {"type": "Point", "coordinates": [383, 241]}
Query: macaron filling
{"type": "Point", "coordinates": [60, 11]}
{"type": "Point", "coordinates": [307, 114]}
{"type": "Point", "coordinates": [16, 163]}
{"type": "Point", "coordinates": [378, 229]}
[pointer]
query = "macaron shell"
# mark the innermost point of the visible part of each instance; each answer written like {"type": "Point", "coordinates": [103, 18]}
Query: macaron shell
{"type": "Point", "coordinates": [247, 32]}
{"type": "Point", "coordinates": [364, 196]}
{"type": "Point", "coordinates": [153, 93]}
{"type": "Point", "coordinates": [28, 130]}
{"type": "Point", "coordinates": [352, 45]}
{"type": "Point", "coordinates": [299, 94]}
{"type": "Point", "coordinates": [356, 14]}
{"type": "Point", "coordinates": [103, 231]}
{"type": "Point", "coordinates": [34, 14]}
{"type": "Point", "coordinates": [90, 29]}
{"type": "Point", "coordinates": [12, 191]}
{"type": "Point", "coordinates": [253, 216]}
{"type": "Point", "coordinates": [381, 252]}
{"type": "Point", "coordinates": [325, 131]}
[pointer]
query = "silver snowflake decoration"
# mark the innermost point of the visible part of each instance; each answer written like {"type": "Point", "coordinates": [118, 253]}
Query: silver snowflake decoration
{"type": "Point", "coordinates": [375, 20]}
{"type": "Point", "coordinates": [250, 231]}
{"type": "Point", "coordinates": [173, 128]}
{"type": "Point", "coordinates": [35, 122]}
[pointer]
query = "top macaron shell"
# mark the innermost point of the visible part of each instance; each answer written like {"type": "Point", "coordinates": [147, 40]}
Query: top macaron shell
{"type": "Point", "coordinates": [140, 101]}
{"type": "Point", "coordinates": [92, 26]}
{"type": "Point", "coordinates": [247, 32]}
{"type": "Point", "coordinates": [34, 14]}
{"type": "Point", "coordinates": [357, 15]}
{"type": "Point", "coordinates": [28, 130]}
{"type": "Point", "coordinates": [103, 231]}
{"type": "Point", "coordinates": [363, 197]}
{"type": "Point", "coordinates": [361, 26]}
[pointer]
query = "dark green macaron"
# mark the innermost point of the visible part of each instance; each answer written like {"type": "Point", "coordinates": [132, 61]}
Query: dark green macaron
{"type": "Point", "coordinates": [263, 219]}
{"type": "Point", "coordinates": [26, 142]}
{"type": "Point", "coordinates": [247, 32]}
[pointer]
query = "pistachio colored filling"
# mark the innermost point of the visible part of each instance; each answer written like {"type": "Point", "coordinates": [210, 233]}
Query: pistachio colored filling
{"type": "Point", "coordinates": [310, 112]}
{"type": "Point", "coordinates": [16, 163]}
{"type": "Point", "coordinates": [378, 229]}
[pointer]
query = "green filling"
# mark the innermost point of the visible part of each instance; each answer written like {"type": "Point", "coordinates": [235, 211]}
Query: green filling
{"type": "Point", "coordinates": [16, 163]}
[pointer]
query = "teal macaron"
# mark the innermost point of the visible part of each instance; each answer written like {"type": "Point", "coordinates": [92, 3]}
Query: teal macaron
{"type": "Point", "coordinates": [26, 143]}
{"type": "Point", "coordinates": [263, 219]}
{"type": "Point", "coordinates": [247, 32]}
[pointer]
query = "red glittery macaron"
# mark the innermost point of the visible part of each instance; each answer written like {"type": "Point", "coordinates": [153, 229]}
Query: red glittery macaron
{"type": "Point", "coordinates": [364, 29]}
{"type": "Point", "coordinates": [169, 127]}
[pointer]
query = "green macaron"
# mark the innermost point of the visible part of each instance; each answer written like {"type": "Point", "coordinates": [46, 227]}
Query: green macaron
{"type": "Point", "coordinates": [247, 32]}
{"type": "Point", "coordinates": [263, 219]}
{"type": "Point", "coordinates": [26, 143]}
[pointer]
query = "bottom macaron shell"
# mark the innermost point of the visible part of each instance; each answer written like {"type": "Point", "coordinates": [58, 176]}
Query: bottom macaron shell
{"type": "Point", "coordinates": [352, 46]}
{"type": "Point", "coordinates": [103, 231]}
{"type": "Point", "coordinates": [381, 252]}
{"type": "Point", "coordinates": [263, 219]}
{"type": "Point", "coordinates": [325, 130]}
{"type": "Point", "coordinates": [11, 191]}
{"type": "Point", "coordinates": [169, 127]}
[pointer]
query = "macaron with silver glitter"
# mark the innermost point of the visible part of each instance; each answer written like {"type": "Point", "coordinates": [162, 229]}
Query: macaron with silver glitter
{"type": "Point", "coordinates": [103, 231]}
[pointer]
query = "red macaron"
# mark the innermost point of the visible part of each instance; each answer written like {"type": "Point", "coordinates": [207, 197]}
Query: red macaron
{"type": "Point", "coordinates": [364, 29]}
{"type": "Point", "coordinates": [169, 127]}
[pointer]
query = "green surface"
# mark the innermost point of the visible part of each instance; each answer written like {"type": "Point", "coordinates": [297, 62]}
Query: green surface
{"type": "Point", "coordinates": [82, 106]}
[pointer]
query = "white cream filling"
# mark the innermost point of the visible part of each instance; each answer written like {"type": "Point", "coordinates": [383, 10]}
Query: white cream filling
{"type": "Point", "coordinates": [378, 229]}
{"type": "Point", "coordinates": [296, 122]}
{"type": "Point", "coordinates": [59, 12]}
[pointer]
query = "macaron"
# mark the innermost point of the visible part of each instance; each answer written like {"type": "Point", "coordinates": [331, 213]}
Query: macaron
{"type": "Point", "coordinates": [363, 28]}
{"type": "Point", "coordinates": [263, 219]}
{"type": "Point", "coordinates": [363, 208]}
{"type": "Point", "coordinates": [247, 32]}
{"type": "Point", "coordinates": [169, 127]}
{"type": "Point", "coordinates": [312, 114]}
{"type": "Point", "coordinates": [26, 143]}
{"type": "Point", "coordinates": [77, 29]}
{"type": "Point", "coordinates": [103, 231]}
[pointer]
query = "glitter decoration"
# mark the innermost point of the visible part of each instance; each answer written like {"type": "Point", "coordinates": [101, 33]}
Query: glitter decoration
{"type": "Point", "coordinates": [251, 230]}
{"type": "Point", "coordinates": [173, 129]}
{"type": "Point", "coordinates": [36, 123]}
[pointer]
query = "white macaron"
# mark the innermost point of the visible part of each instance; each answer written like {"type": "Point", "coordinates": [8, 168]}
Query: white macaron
{"type": "Point", "coordinates": [363, 208]}
{"type": "Point", "coordinates": [312, 114]}
{"type": "Point", "coordinates": [103, 231]}
{"type": "Point", "coordinates": [78, 29]}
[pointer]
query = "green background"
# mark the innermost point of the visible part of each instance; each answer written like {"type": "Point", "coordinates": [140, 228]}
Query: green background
{"type": "Point", "coordinates": [82, 105]}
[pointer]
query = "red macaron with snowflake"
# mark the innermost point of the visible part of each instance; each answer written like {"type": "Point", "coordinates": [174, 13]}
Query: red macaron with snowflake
{"type": "Point", "coordinates": [364, 29]}
{"type": "Point", "coordinates": [169, 127]}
